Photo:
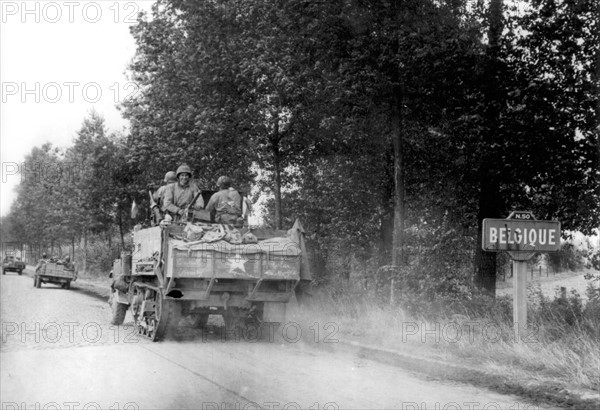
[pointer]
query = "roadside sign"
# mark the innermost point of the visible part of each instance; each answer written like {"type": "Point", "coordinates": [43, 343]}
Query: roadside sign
{"type": "Point", "coordinates": [521, 235]}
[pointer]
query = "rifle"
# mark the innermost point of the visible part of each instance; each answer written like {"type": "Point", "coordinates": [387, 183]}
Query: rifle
{"type": "Point", "coordinates": [156, 214]}
{"type": "Point", "coordinates": [185, 216]}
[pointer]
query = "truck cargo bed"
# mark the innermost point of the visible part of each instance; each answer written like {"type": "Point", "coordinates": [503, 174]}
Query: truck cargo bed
{"type": "Point", "coordinates": [56, 270]}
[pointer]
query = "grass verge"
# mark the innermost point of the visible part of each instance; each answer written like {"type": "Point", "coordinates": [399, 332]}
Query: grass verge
{"type": "Point", "coordinates": [552, 362]}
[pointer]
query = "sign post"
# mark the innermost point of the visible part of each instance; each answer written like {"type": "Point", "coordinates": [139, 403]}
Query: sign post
{"type": "Point", "coordinates": [520, 293]}
{"type": "Point", "coordinates": [521, 235]}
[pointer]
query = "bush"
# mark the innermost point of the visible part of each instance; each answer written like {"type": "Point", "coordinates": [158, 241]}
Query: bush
{"type": "Point", "coordinates": [561, 317]}
{"type": "Point", "coordinates": [100, 255]}
{"type": "Point", "coordinates": [424, 295]}
{"type": "Point", "coordinates": [428, 294]}
{"type": "Point", "coordinates": [567, 257]}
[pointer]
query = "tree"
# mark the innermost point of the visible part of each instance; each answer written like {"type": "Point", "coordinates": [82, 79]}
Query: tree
{"type": "Point", "coordinates": [403, 114]}
{"type": "Point", "coordinates": [37, 215]}
{"type": "Point", "coordinates": [189, 109]}
{"type": "Point", "coordinates": [94, 190]}
{"type": "Point", "coordinates": [539, 151]}
{"type": "Point", "coordinates": [491, 203]}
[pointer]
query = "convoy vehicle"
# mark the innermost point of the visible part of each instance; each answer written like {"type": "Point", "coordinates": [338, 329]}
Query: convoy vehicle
{"type": "Point", "coordinates": [167, 276]}
{"type": "Point", "coordinates": [54, 272]}
{"type": "Point", "coordinates": [12, 263]}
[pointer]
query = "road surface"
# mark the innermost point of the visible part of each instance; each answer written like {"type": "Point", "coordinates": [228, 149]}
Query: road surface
{"type": "Point", "coordinates": [59, 352]}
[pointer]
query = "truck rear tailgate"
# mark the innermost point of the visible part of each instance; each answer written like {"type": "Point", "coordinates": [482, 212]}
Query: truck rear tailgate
{"type": "Point", "coordinates": [55, 270]}
{"type": "Point", "coordinates": [268, 260]}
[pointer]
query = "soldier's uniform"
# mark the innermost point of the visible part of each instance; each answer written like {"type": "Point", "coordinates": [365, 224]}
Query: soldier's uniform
{"type": "Point", "coordinates": [41, 262]}
{"type": "Point", "coordinates": [227, 203]}
{"type": "Point", "coordinates": [159, 195]}
{"type": "Point", "coordinates": [178, 197]}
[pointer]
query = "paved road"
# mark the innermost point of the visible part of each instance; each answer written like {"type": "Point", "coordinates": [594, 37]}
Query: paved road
{"type": "Point", "coordinates": [58, 351]}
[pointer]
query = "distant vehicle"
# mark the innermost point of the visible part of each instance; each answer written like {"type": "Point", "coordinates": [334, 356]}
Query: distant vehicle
{"type": "Point", "coordinates": [12, 263]}
{"type": "Point", "coordinates": [54, 272]}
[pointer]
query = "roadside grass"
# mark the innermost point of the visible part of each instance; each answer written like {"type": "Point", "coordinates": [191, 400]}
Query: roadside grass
{"type": "Point", "coordinates": [557, 354]}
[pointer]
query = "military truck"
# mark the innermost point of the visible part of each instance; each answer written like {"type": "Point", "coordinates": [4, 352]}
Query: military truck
{"type": "Point", "coordinates": [167, 276]}
{"type": "Point", "coordinates": [53, 272]}
{"type": "Point", "coordinates": [12, 263]}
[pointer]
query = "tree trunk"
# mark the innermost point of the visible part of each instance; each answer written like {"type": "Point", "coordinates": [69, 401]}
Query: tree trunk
{"type": "Point", "coordinates": [84, 248]}
{"type": "Point", "coordinates": [275, 138]}
{"type": "Point", "coordinates": [399, 188]}
{"type": "Point", "coordinates": [121, 228]}
{"type": "Point", "coordinates": [489, 207]}
{"type": "Point", "coordinates": [109, 238]}
{"type": "Point", "coordinates": [398, 130]}
{"type": "Point", "coordinates": [387, 217]}
{"type": "Point", "coordinates": [598, 85]}
{"type": "Point", "coordinates": [490, 202]}
{"type": "Point", "coordinates": [278, 213]}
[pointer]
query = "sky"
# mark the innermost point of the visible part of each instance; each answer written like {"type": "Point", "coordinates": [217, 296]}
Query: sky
{"type": "Point", "coordinates": [58, 61]}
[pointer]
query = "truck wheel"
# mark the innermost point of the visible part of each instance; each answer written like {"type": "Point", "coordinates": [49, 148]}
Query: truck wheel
{"type": "Point", "coordinates": [19, 272]}
{"type": "Point", "coordinates": [38, 282]}
{"type": "Point", "coordinates": [3, 272]}
{"type": "Point", "coordinates": [166, 316]}
{"type": "Point", "coordinates": [119, 310]}
{"type": "Point", "coordinates": [68, 285]}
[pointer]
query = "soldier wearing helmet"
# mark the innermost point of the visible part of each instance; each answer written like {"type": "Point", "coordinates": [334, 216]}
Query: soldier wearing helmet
{"type": "Point", "coordinates": [68, 264]}
{"type": "Point", "coordinates": [42, 262]}
{"type": "Point", "coordinates": [227, 203]}
{"type": "Point", "coordinates": [159, 195]}
{"type": "Point", "coordinates": [178, 196]}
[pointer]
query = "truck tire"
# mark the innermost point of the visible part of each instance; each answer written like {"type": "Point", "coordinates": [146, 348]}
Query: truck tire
{"type": "Point", "coordinates": [166, 319]}
{"type": "Point", "coordinates": [66, 285]}
{"type": "Point", "coordinates": [19, 272]}
{"type": "Point", "coordinates": [37, 282]}
{"type": "Point", "coordinates": [119, 310]}
{"type": "Point", "coordinates": [4, 271]}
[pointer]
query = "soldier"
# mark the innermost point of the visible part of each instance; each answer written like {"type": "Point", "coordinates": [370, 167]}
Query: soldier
{"type": "Point", "coordinates": [70, 266]}
{"type": "Point", "coordinates": [41, 262]}
{"type": "Point", "coordinates": [227, 203]}
{"type": "Point", "coordinates": [157, 200]}
{"type": "Point", "coordinates": [159, 195]}
{"type": "Point", "coordinates": [178, 196]}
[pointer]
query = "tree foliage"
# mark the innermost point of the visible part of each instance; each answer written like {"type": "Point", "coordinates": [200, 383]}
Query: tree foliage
{"type": "Point", "coordinates": [376, 122]}
{"type": "Point", "coordinates": [67, 194]}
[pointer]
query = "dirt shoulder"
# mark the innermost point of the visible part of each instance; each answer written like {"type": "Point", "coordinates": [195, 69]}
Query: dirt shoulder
{"type": "Point", "coordinates": [446, 365]}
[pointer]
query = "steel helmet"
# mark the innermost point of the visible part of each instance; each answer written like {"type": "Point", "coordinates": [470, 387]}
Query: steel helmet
{"type": "Point", "coordinates": [170, 177]}
{"type": "Point", "coordinates": [224, 182]}
{"type": "Point", "coordinates": [44, 255]}
{"type": "Point", "coordinates": [183, 169]}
